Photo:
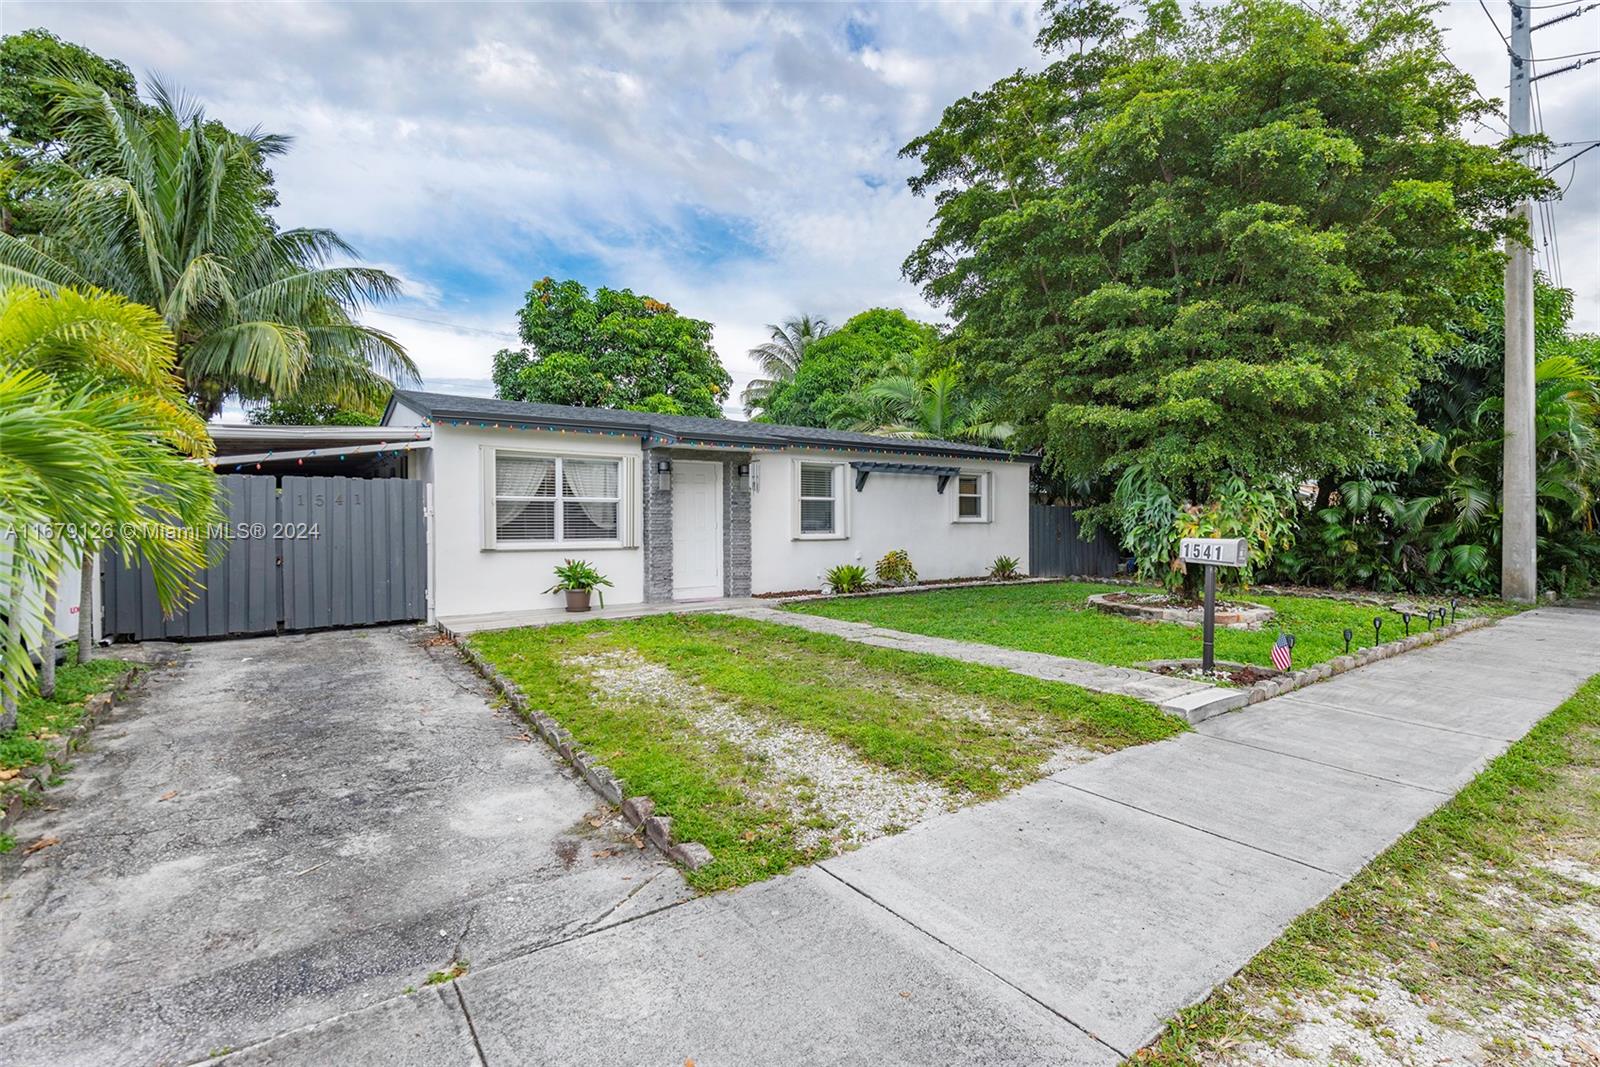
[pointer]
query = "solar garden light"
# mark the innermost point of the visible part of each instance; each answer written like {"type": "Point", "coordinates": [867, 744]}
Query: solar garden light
{"type": "Point", "coordinates": [1348, 634]}
{"type": "Point", "coordinates": [1453, 603]}
{"type": "Point", "coordinates": [1405, 617]}
{"type": "Point", "coordinates": [1377, 627]}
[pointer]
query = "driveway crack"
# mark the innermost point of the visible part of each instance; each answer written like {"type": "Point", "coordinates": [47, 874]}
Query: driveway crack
{"type": "Point", "coordinates": [472, 1028]}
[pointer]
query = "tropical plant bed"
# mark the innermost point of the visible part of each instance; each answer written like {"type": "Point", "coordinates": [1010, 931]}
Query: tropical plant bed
{"type": "Point", "coordinates": [1169, 607]}
{"type": "Point", "coordinates": [34, 753]}
{"type": "Point", "coordinates": [774, 747]}
{"type": "Point", "coordinates": [1055, 618]}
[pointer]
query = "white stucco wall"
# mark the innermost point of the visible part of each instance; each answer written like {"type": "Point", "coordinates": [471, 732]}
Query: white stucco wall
{"type": "Point", "coordinates": [469, 579]}
{"type": "Point", "coordinates": [891, 511]}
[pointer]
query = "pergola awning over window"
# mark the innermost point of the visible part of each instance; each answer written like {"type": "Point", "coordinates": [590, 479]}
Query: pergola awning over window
{"type": "Point", "coordinates": [864, 468]}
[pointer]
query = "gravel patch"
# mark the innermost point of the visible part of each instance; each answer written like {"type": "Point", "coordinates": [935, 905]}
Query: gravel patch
{"type": "Point", "coordinates": [840, 800]}
{"type": "Point", "coordinates": [1375, 1021]}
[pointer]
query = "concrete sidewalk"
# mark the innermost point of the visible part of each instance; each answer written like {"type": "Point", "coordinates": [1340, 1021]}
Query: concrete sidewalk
{"type": "Point", "coordinates": [1062, 924]}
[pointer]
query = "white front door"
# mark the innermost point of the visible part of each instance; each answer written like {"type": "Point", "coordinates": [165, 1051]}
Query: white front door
{"type": "Point", "coordinates": [696, 530]}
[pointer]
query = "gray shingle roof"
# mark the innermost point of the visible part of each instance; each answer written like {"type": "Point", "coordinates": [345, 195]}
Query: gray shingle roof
{"type": "Point", "coordinates": [680, 428]}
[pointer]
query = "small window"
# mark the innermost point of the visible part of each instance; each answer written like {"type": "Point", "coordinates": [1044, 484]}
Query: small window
{"type": "Point", "coordinates": [819, 506]}
{"type": "Point", "coordinates": [552, 500]}
{"type": "Point", "coordinates": [970, 498]}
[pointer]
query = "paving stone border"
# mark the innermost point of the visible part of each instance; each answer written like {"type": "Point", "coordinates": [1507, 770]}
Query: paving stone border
{"type": "Point", "coordinates": [638, 810]}
{"type": "Point", "coordinates": [35, 779]}
{"type": "Point", "coordinates": [1340, 664]}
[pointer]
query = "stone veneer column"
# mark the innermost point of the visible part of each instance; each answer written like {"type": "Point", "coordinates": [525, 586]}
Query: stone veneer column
{"type": "Point", "coordinates": [735, 530]}
{"type": "Point", "coordinates": [656, 529]}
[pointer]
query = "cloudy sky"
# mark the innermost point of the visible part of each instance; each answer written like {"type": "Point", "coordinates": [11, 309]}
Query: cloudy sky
{"type": "Point", "coordinates": [739, 162]}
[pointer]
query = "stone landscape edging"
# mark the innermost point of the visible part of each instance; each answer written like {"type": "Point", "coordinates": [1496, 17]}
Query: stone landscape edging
{"type": "Point", "coordinates": [36, 778]}
{"type": "Point", "coordinates": [1293, 680]}
{"type": "Point", "coordinates": [639, 811]}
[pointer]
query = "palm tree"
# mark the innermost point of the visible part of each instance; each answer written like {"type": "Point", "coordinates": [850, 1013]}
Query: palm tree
{"type": "Point", "coordinates": [99, 445]}
{"type": "Point", "coordinates": [935, 404]}
{"type": "Point", "coordinates": [165, 207]}
{"type": "Point", "coordinates": [779, 358]}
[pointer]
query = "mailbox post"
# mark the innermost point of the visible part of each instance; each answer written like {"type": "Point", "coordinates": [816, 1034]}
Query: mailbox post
{"type": "Point", "coordinates": [1211, 553]}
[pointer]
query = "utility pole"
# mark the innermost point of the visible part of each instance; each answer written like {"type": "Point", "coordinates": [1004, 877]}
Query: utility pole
{"type": "Point", "coordinates": [1519, 534]}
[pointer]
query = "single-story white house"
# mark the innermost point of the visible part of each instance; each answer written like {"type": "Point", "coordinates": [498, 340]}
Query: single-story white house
{"type": "Point", "coordinates": [677, 508]}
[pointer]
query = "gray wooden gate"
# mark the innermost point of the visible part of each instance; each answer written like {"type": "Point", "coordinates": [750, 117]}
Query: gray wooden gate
{"type": "Point", "coordinates": [320, 552]}
{"type": "Point", "coordinates": [1055, 550]}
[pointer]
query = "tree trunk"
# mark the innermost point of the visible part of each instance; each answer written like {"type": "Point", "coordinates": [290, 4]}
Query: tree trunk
{"type": "Point", "coordinates": [47, 638]}
{"type": "Point", "coordinates": [86, 608]}
{"type": "Point", "coordinates": [9, 686]}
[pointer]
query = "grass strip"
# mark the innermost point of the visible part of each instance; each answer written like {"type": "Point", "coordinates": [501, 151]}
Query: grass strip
{"type": "Point", "coordinates": [40, 720]}
{"type": "Point", "coordinates": [1417, 913]}
{"type": "Point", "coordinates": [974, 730]}
{"type": "Point", "coordinates": [1054, 618]}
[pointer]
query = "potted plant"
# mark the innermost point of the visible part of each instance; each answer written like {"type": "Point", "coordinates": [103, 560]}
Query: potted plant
{"type": "Point", "coordinates": [577, 579]}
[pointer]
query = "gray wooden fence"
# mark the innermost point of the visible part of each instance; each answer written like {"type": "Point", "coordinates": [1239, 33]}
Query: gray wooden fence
{"type": "Point", "coordinates": [1054, 548]}
{"type": "Point", "coordinates": [320, 552]}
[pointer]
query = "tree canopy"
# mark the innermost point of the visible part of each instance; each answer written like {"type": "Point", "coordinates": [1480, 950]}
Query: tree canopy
{"type": "Point", "coordinates": [827, 386]}
{"type": "Point", "coordinates": [611, 350]}
{"type": "Point", "coordinates": [1213, 242]}
{"type": "Point", "coordinates": [34, 134]}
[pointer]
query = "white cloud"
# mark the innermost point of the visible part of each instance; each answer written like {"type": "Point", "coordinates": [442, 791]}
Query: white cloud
{"type": "Point", "coordinates": [738, 161]}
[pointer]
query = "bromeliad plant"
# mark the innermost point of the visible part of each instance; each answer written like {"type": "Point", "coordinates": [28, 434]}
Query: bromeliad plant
{"type": "Point", "coordinates": [1005, 568]}
{"type": "Point", "coordinates": [579, 576]}
{"type": "Point", "coordinates": [847, 578]}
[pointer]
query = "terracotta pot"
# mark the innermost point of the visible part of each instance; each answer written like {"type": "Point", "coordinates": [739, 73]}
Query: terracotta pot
{"type": "Point", "coordinates": [578, 599]}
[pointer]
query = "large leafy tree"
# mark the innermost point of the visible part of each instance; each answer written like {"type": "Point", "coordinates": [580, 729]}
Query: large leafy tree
{"type": "Point", "coordinates": [1215, 242]}
{"type": "Point", "coordinates": [32, 132]}
{"type": "Point", "coordinates": [827, 387]}
{"type": "Point", "coordinates": [98, 447]}
{"type": "Point", "coordinates": [167, 208]}
{"type": "Point", "coordinates": [610, 350]}
{"type": "Point", "coordinates": [780, 356]}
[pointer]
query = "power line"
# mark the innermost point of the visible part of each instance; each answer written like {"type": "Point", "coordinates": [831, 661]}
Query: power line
{"type": "Point", "coordinates": [1496, 25]}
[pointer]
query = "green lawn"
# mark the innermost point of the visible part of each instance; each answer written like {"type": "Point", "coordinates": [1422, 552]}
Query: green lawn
{"type": "Point", "coordinates": [1474, 912]}
{"type": "Point", "coordinates": [682, 708]}
{"type": "Point", "coordinates": [1053, 618]}
{"type": "Point", "coordinates": [40, 720]}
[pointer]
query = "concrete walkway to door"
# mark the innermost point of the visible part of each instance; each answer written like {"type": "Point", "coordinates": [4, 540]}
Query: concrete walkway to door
{"type": "Point", "coordinates": [1061, 924]}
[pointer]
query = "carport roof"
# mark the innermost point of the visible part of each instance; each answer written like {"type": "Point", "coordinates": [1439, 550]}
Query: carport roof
{"type": "Point", "coordinates": [680, 429]}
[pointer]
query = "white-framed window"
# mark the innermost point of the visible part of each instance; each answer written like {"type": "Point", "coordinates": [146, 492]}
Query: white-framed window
{"type": "Point", "coordinates": [549, 501]}
{"type": "Point", "coordinates": [819, 502]}
{"type": "Point", "coordinates": [972, 498]}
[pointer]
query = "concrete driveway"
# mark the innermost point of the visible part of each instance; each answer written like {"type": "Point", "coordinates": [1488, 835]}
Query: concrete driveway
{"type": "Point", "coordinates": [282, 830]}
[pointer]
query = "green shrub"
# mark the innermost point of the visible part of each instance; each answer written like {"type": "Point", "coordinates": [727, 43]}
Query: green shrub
{"type": "Point", "coordinates": [847, 578]}
{"type": "Point", "coordinates": [895, 568]}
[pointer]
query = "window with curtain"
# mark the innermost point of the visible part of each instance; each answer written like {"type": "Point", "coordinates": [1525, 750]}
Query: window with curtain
{"type": "Point", "coordinates": [819, 505]}
{"type": "Point", "coordinates": [556, 500]}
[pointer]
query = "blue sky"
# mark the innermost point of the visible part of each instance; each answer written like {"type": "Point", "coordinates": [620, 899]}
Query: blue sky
{"type": "Point", "coordinates": [737, 161]}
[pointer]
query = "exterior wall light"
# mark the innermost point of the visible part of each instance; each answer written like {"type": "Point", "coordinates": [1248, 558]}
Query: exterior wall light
{"type": "Point", "coordinates": [664, 475]}
{"type": "Point", "coordinates": [744, 476]}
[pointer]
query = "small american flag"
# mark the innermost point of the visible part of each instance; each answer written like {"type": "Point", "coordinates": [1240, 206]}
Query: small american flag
{"type": "Point", "coordinates": [1283, 652]}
